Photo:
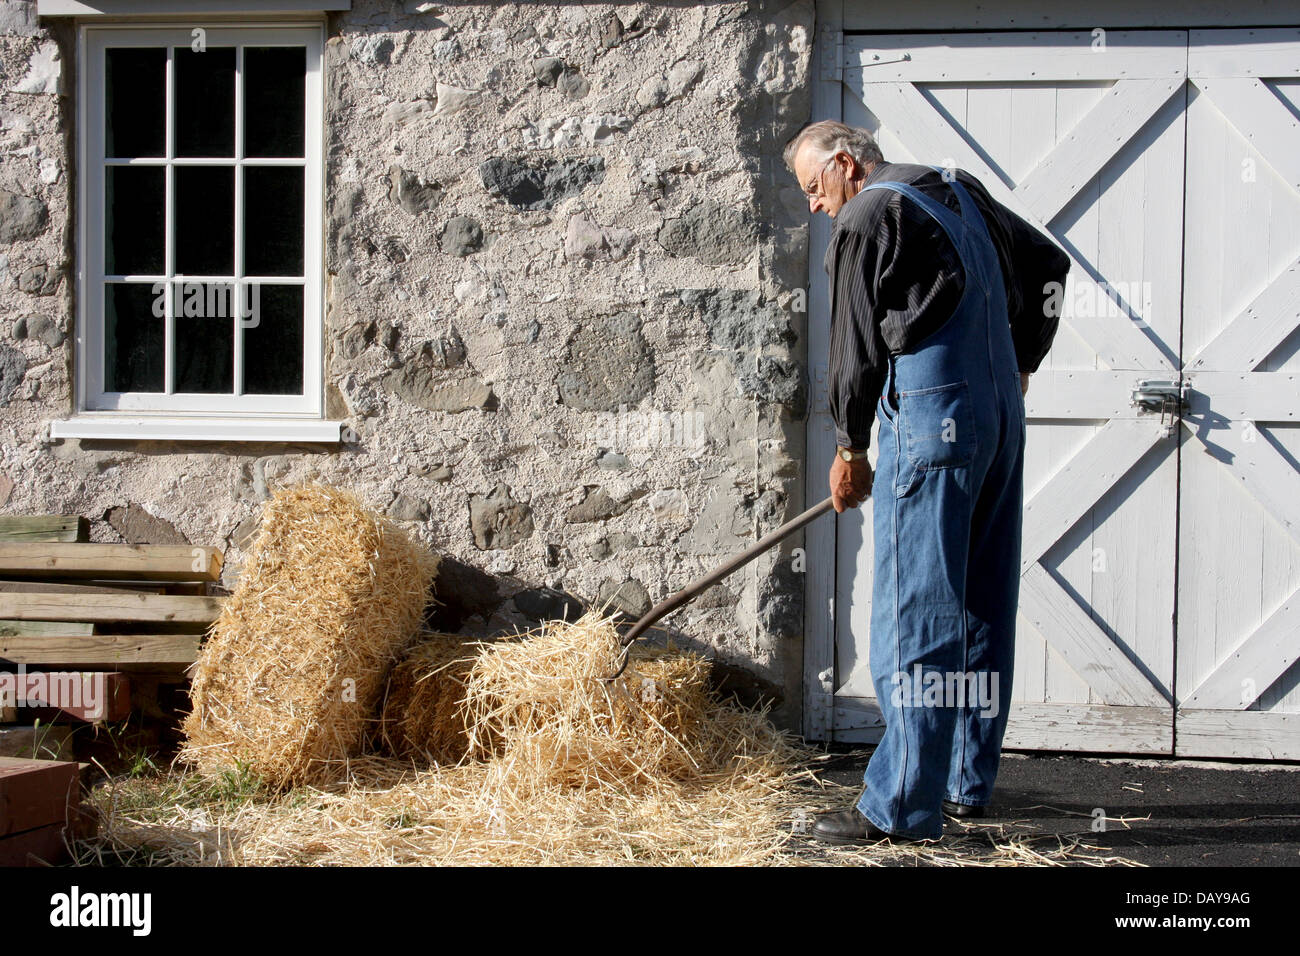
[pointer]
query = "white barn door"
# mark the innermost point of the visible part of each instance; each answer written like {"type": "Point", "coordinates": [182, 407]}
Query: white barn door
{"type": "Point", "coordinates": [1239, 534]}
{"type": "Point", "coordinates": [1083, 135]}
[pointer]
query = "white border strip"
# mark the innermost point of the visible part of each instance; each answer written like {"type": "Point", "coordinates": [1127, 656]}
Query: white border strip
{"type": "Point", "coordinates": [198, 429]}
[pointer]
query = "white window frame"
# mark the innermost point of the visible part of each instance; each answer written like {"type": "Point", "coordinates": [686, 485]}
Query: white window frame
{"type": "Point", "coordinates": [169, 415]}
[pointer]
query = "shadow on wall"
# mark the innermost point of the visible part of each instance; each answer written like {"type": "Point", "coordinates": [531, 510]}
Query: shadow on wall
{"type": "Point", "coordinates": [464, 592]}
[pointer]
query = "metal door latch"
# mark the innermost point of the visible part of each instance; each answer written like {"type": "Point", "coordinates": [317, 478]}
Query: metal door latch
{"type": "Point", "coordinates": [1168, 397]}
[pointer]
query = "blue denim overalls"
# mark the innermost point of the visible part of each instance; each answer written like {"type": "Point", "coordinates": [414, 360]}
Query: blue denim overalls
{"type": "Point", "coordinates": [947, 499]}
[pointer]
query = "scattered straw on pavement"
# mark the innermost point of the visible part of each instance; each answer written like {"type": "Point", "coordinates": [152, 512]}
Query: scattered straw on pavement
{"type": "Point", "coordinates": [562, 769]}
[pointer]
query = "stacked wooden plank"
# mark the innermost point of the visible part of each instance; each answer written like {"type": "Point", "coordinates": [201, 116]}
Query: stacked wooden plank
{"type": "Point", "coordinates": [115, 610]}
{"type": "Point", "coordinates": [40, 811]}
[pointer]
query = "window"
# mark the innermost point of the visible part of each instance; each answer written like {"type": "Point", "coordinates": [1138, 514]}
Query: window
{"type": "Point", "coordinates": [200, 249]}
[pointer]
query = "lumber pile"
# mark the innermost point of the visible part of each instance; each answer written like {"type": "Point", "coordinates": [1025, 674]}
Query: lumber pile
{"type": "Point", "coordinates": [79, 621]}
{"type": "Point", "coordinates": [40, 811]}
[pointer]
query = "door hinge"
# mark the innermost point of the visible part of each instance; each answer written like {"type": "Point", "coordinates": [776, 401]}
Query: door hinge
{"type": "Point", "coordinates": [832, 54]}
{"type": "Point", "coordinates": [821, 389]}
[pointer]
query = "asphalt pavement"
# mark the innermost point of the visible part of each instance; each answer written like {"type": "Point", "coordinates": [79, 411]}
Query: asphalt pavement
{"type": "Point", "coordinates": [1152, 812]}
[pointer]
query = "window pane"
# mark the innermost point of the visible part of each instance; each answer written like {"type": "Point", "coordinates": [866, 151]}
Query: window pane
{"type": "Point", "coordinates": [205, 102]}
{"type": "Point", "coordinates": [273, 341]}
{"type": "Point", "coordinates": [135, 102]}
{"type": "Point", "coordinates": [133, 225]}
{"type": "Point", "coordinates": [204, 333]}
{"type": "Point", "coordinates": [273, 214]}
{"type": "Point", "coordinates": [205, 220]}
{"type": "Point", "coordinates": [274, 101]}
{"type": "Point", "coordinates": [133, 338]}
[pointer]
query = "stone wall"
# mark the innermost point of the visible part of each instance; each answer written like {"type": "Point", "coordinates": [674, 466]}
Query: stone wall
{"type": "Point", "coordinates": [563, 311]}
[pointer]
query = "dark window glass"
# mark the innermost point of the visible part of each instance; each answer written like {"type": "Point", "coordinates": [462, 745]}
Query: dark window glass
{"type": "Point", "coordinates": [205, 102]}
{"type": "Point", "coordinates": [273, 341]}
{"type": "Point", "coordinates": [273, 214]}
{"type": "Point", "coordinates": [205, 220]}
{"type": "Point", "coordinates": [203, 329]}
{"type": "Point", "coordinates": [133, 225]}
{"type": "Point", "coordinates": [135, 100]}
{"type": "Point", "coordinates": [133, 338]}
{"type": "Point", "coordinates": [275, 101]}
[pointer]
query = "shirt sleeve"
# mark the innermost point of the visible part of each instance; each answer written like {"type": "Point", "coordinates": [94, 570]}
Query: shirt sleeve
{"type": "Point", "coordinates": [858, 356]}
{"type": "Point", "coordinates": [1040, 265]}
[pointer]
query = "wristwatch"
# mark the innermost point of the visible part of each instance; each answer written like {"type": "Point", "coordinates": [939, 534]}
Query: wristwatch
{"type": "Point", "coordinates": [848, 454]}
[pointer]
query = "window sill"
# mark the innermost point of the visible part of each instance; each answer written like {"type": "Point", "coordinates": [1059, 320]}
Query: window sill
{"type": "Point", "coordinates": [150, 428]}
{"type": "Point", "coordinates": [110, 8]}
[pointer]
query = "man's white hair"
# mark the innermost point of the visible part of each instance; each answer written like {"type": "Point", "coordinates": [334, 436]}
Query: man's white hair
{"type": "Point", "coordinates": [829, 137]}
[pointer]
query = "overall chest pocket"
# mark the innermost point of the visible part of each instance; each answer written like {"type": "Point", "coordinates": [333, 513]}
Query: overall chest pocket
{"type": "Point", "coordinates": [938, 425]}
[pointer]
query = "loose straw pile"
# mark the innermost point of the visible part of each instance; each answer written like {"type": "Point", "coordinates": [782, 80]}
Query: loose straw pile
{"type": "Point", "coordinates": [516, 752]}
{"type": "Point", "coordinates": [290, 676]}
{"type": "Point", "coordinates": [559, 767]}
{"type": "Point", "coordinates": [542, 706]}
{"type": "Point", "coordinates": [387, 813]}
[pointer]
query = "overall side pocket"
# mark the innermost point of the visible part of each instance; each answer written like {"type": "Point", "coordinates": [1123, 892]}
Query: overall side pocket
{"type": "Point", "coordinates": [938, 425]}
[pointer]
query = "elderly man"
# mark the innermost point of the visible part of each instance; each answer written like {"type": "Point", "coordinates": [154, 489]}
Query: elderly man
{"type": "Point", "coordinates": [939, 316]}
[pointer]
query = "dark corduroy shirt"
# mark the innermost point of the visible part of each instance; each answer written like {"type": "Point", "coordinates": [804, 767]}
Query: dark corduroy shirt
{"type": "Point", "coordinates": [896, 277]}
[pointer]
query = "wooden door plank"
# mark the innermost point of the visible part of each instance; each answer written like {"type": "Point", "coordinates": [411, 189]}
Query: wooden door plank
{"type": "Point", "coordinates": [1089, 727]}
{"type": "Point", "coordinates": [1249, 396]}
{"type": "Point", "coordinates": [1083, 393]}
{"type": "Point", "coordinates": [1041, 726]}
{"type": "Point", "coordinates": [1083, 645]}
{"type": "Point", "coordinates": [1253, 666]}
{"type": "Point", "coordinates": [129, 561]}
{"type": "Point", "coordinates": [103, 608]}
{"type": "Point", "coordinates": [1081, 482]}
{"type": "Point", "coordinates": [1234, 53]}
{"type": "Point", "coordinates": [1089, 192]}
{"type": "Point", "coordinates": [102, 650]}
{"type": "Point", "coordinates": [820, 536]}
{"type": "Point", "coordinates": [858, 714]}
{"type": "Point", "coordinates": [1257, 330]}
{"type": "Point", "coordinates": [1263, 119]}
{"type": "Point", "coordinates": [1239, 606]}
{"type": "Point", "coordinates": [1250, 734]}
{"type": "Point", "coordinates": [1263, 472]}
{"type": "Point", "coordinates": [1090, 145]}
{"type": "Point", "coordinates": [1000, 57]}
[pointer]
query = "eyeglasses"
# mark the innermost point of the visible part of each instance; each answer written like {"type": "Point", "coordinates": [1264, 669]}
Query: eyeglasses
{"type": "Point", "coordinates": [814, 188]}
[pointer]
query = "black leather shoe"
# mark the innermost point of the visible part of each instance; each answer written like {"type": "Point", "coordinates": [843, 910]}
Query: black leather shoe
{"type": "Point", "coordinates": [961, 811]}
{"type": "Point", "coordinates": [848, 826]}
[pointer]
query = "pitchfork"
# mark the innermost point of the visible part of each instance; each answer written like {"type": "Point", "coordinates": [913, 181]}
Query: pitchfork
{"type": "Point", "coordinates": [695, 588]}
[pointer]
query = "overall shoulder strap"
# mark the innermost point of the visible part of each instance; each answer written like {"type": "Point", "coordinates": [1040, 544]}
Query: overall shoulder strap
{"type": "Point", "coordinates": [970, 212]}
{"type": "Point", "coordinates": [945, 217]}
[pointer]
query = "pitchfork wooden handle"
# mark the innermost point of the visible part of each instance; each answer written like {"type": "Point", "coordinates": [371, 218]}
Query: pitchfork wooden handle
{"type": "Point", "coordinates": [695, 588]}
